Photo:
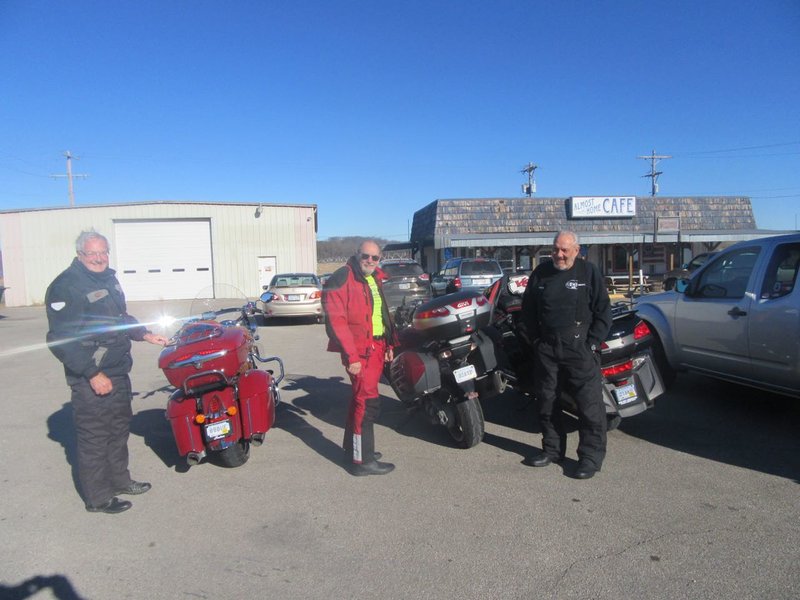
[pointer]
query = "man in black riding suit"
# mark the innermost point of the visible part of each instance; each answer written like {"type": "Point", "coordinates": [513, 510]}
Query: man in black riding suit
{"type": "Point", "coordinates": [567, 314]}
{"type": "Point", "coordinates": [90, 332]}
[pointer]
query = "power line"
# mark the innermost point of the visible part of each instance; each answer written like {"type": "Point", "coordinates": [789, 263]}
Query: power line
{"type": "Point", "coordinates": [698, 152]}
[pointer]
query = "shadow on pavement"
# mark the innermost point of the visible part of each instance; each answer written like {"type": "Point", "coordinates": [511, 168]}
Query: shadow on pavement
{"type": "Point", "coordinates": [152, 425]}
{"type": "Point", "coordinates": [726, 423]}
{"type": "Point", "coordinates": [61, 429]}
{"type": "Point", "coordinates": [327, 399]}
{"type": "Point", "coordinates": [59, 586]}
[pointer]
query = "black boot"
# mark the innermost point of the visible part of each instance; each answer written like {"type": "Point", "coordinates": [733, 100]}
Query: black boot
{"type": "Point", "coordinates": [372, 467]}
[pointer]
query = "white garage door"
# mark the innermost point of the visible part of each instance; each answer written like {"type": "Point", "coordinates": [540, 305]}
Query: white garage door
{"type": "Point", "coordinates": [163, 260]}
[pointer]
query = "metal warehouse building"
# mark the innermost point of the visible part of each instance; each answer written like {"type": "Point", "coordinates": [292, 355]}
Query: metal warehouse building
{"type": "Point", "coordinates": [161, 250]}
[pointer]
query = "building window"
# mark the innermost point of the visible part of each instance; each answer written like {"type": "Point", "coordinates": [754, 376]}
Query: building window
{"type": "Point", "coordinates": [620, 258]}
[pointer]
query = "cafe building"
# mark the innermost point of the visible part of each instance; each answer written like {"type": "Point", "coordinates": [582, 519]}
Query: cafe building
{"type": "Point", "coordinates": [640, 236]}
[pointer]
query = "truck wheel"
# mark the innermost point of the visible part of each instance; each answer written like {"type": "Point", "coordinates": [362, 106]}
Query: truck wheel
{"type": "Point", "coordinates": [660, 358]}
{"type": "Point", "coordinates": [467, 430]}
{"type": "Point", "coordinates": [235, 455]}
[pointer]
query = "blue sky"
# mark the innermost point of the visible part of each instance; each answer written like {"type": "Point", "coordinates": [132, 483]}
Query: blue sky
{"type": "Point", "coordinates": [373, 109]}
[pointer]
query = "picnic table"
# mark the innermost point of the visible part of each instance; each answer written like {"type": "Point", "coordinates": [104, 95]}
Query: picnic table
{"type": "Point", "coordinates": [622, 284]}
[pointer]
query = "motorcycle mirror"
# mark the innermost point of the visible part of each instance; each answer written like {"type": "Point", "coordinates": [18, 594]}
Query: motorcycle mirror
{"type": "Point", "coordinates": [267, 297]}
{"type": "Point", "coordinates": [681, 286]}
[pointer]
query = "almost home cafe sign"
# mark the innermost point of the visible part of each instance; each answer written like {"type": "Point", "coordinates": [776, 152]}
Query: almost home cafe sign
{"type": "Point", "coordinates": [602, 207]}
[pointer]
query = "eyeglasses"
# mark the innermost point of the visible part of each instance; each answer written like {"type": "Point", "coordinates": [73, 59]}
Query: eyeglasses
{"type": "Point", "coordinates": [374, 257]}
{"type": "Point", "coordinates": [94, 254]}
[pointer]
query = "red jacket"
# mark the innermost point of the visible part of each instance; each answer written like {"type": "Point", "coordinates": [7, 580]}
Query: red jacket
{"type": "Point", "coordinates": [347, 302]}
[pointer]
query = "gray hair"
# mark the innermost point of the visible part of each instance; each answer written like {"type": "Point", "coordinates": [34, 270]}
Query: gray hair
{"type": "Point", "coordinates": [85, 236]}
{"type": "Point", "coordinates": [361, 245]}
{"type": "Point", "coordinates": [568, 233]}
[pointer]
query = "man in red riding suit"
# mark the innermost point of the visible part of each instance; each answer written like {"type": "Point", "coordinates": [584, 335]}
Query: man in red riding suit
{"type": "Point", "coordinates": [359, 328]}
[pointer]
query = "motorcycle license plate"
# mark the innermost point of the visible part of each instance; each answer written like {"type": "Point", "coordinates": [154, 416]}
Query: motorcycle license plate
{"type": "Point", "coordinates": [214, 431]}
{"type": "Point", "coordinates": [625, 394]}
{"type": "Point", "coordinates": [465, 373]}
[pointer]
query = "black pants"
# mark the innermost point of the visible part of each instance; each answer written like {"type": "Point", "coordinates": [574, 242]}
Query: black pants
{"type": "Point", "coordinates": [578, 368]}
{"type": "Point", "coordinates": [102, 425]}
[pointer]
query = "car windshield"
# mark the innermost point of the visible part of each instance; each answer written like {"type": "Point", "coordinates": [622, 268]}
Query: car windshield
{"type": "Point", "coordinates": [402, 269]}
{"type": "Point", "coordinates": [486, 267]}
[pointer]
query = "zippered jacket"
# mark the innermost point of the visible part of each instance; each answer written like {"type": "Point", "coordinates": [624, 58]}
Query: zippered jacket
{"type": "Point", "coordinates": [89, 328]}
{"type": "Point", "coordinates": [347, 302]}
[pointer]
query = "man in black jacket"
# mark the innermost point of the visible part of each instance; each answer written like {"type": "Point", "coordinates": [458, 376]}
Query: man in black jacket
{"type": "Point", "coordinates": [567, 315]}
{"type": "Point", "coordinates": [90, 332]}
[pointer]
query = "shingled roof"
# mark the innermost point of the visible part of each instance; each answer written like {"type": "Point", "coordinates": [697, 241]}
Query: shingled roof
{"type": "Point", "coordinates": [517, 218]}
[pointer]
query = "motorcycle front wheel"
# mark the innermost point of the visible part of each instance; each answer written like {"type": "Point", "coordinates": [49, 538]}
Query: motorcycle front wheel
{"type": "Point", "coordinates": [467, 426]}
{"type": "Point", "coordinates": [235, 455]}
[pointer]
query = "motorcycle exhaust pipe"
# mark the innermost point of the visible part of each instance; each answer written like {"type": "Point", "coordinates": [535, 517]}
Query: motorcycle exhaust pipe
{"type": "Point", "coordinates": [194, 458]}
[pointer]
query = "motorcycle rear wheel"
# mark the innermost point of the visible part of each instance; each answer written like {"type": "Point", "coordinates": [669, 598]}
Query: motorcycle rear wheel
{"type": "Point", "coordinates": [235, 455]}
{"type": "Point", "coordinates": [468, 426]}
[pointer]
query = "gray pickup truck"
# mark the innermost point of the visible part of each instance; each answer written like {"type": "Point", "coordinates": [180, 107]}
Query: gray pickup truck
{"type": "Point", "coordinates": [737, 318]}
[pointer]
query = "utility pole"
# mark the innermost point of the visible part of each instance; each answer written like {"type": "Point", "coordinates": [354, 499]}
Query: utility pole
{"type": "Point", "coordinates": [529, 188]}
{"type": "Point", "coordinates": [69, 176]}
{"type": "Point", "coordinates": [653, 174]}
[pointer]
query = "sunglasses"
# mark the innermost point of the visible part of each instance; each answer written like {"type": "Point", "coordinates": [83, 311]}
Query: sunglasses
{"type": "Point", "coordinates": [374, 257]}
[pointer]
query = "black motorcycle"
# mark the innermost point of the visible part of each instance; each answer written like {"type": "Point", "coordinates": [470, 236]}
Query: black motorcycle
{"type": "Point", "coordinates": [631, 380]}
{"type": "Point", "coordinates": [442, 359]}
{"type": "Point", "coordinates": [460, 348]}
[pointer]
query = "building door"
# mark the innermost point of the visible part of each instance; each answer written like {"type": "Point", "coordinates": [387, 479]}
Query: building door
{"type": "Point", "coordinates": [267, 267]}
{"type": "Point", "coordinates": [163, 260]}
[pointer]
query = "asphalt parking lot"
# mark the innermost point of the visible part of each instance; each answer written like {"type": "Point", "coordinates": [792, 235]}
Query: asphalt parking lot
{"type": "Point", "coordinates": [698, 498]}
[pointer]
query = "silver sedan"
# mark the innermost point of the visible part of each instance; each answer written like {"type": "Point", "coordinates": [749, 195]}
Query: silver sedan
{"type": "Point", "coordinates": [295, 295]}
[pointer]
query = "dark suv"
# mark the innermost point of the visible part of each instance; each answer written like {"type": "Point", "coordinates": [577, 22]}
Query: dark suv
{"type": "Point", "coordinates": [406, 282]}
{"type": "Point", "coordinates": [473, 274]}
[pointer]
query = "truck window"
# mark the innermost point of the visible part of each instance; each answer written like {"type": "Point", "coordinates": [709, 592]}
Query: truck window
{"type": "Point", "coordinates": [782, 272]}
{"type": "Point", "coordinates": [728, 276]}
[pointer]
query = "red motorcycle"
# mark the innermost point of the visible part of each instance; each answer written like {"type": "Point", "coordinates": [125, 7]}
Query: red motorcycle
{"type": "Point", "coordinates": [223, 402]}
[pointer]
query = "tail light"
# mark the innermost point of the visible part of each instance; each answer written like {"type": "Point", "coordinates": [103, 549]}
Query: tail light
{"type": "Point", "coordinates": [314, 295]}
{"type": "Point", "coordinates": [618, 369]}
{"type": "Point", "coordinates": [432, 313]}
{"type": "Point", "coordinates": [278, 298]}
{"type": "Point", "coordinates": [457, 283]}
{"type": "Point", "coordinates": [641, 330]}
{"type": "Point", "coordinates": [424, 277]}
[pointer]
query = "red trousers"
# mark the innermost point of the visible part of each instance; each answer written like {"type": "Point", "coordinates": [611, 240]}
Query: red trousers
{"type": "Point", "coordinates": [359, 434]}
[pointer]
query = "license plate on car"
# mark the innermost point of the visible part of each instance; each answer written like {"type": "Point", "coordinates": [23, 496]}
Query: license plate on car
{"type": "Point", "coordinates": [626, 394]}
{"type": "Point", "coordinates": [214, 431]}
{"type": "Point", "coordinates": [465, 373]}
{"type": "Point", "coordinates": [481, 281]}
{"type": "Point", "coordinates": [293, 297]}
{"type": "Point", "coordinates": [404, 286]}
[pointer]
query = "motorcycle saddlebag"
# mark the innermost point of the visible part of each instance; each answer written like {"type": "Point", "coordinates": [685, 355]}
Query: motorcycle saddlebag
{"type": "Point", "coordinates": [256, 403]}
{"type": "Point", "coordinates": [181, 411]}
{"type": "Point", "coordinates": [483, 357]}
{"type": "Point", "coordinates": [413, 374]}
